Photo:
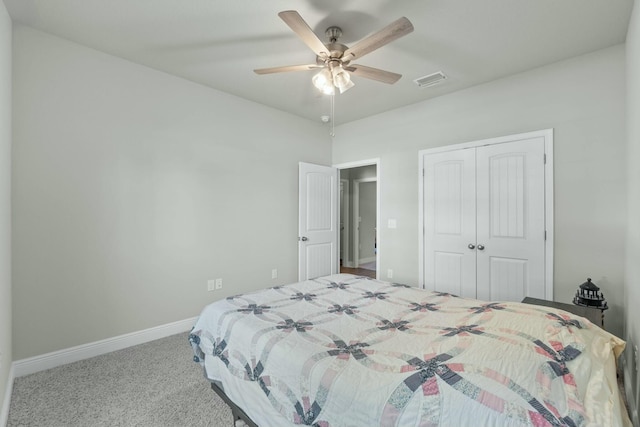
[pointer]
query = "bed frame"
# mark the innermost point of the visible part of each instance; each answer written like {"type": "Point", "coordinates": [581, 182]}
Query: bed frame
{"type": "Point", "coordinates": [240, 418]}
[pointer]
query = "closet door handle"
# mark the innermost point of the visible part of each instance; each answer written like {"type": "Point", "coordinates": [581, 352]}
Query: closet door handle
{"type": "Point", "coordinates": [471, 246]}
{"type": "Point", "coordinates": [480, 247]}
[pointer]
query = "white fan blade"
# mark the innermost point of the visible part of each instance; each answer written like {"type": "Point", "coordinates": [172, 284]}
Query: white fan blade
{"type": "Point", "coordinates": [287, 68]}
{"type": "Point", "coordinates": [302, 29]}
{"type": "Point", "coordinates": [391, 32]}
{"type": "Point", "coordinates": [373, 73]}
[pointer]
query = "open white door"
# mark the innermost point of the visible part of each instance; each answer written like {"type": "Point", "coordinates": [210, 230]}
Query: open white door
{"type": "Point", "coordinates": [318, 221]}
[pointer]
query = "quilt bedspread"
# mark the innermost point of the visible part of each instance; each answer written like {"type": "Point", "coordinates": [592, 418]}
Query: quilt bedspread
{"type": "Point", "coordinates": [351, 351]}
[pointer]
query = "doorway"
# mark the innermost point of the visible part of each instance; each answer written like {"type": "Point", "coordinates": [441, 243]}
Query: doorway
{"type": "Point", "coordinates": [359, 208]}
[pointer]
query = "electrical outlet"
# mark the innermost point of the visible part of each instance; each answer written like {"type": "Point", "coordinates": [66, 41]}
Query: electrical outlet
{"type": "Point", "coordinates": [211, 285]}
{"type": "Point", "coordinates": [218, 284]}
{"type": "Point", "coordinates": [274, 273]}
{"type": "Point", "coordinates": [389, 274]}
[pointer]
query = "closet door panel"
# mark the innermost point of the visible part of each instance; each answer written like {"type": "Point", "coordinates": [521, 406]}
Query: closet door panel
{"type": "Point", "coordinates": [448, 268]}
{"type": "Point", "coordinates": [508, 278]}
{"type": "Point", "coordinates": [449, 209]}
{"type": "Point", "coordinates": [510, 220]}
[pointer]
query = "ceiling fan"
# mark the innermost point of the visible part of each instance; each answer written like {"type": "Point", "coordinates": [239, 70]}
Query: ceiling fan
{"type": "Point", "coordinates": [334, 59]}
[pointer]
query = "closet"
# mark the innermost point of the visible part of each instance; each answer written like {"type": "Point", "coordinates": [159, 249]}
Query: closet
{"type": "Point", "coordinates": [485, 213]}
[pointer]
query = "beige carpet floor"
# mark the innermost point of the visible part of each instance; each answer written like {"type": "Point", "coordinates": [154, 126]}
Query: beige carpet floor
{"type": "Point", "coordinates": [154, 384]}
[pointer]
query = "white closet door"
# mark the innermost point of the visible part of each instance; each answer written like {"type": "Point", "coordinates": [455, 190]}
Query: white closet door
{"type": "Point", "coordinates": [511, 220]}
{"type": "Point", "coordinates": [450, 222]}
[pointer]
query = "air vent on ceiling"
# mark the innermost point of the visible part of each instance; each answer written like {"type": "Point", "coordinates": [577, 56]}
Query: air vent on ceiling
{"type": "Point", "coordinates": [431, 79]}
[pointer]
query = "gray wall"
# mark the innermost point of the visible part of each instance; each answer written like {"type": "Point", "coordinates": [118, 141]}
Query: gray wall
{"type": "Point", "coordinates": [132, 188]}
{"type": "Point", "coordinates": [582, 98]}
{"type": "Point", "coordinates": [367, 230]}
{"type": "Point", "coordinates": [632, 277]}
{"type": "Point", "coordinates": [5, 202]}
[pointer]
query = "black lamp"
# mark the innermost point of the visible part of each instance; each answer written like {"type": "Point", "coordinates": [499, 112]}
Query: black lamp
{"type": "Point", "coordinates": [588, 295]}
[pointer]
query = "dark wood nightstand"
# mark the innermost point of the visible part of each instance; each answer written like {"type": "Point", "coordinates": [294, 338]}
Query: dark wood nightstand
{"type": "Point", "coordinates": [594, 315]}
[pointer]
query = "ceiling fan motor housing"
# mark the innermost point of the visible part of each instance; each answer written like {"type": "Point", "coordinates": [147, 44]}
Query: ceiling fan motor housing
{"type": "Point", "coordinates": [336, 51]}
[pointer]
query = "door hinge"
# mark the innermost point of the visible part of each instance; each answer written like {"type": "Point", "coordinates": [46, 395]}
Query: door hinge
{"type": "Point", "coordinates": [544, 157]}
{"type": "Point", "coordinates": [545, 235]}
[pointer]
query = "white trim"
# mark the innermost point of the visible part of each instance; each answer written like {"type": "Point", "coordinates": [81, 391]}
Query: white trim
{"type": "Point", "coordinates": [4, 412]}
{"type": "Point", "coordinates": [357, 164]}
{"type": "Point", "coordinates": [356, 218]}
{"type": "Point", "coordinates": [421, 228]}
{"type": "Point", "coordinates": [633, 408]}
{"type": "Point", "coordinates": [346, 195]}
{"type": "Point", "coordinates": [547, 134]}
{"type": "Point", "coordinates": [548, 210]}
{"type": "Point", "coordinates": [356, 224]}
{"type": "Point", "coordinates": [85, 351]}
{"type": "Point", "coordinates": [489, 141]}
{"type": "Point", "coordinates": [369, 162]}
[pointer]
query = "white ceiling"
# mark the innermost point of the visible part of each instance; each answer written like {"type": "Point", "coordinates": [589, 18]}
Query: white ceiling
{"type": "Point", "coordinates": [218, 43]}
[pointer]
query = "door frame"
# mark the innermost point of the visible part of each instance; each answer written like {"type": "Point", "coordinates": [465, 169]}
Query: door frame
{"type": "Point", "coordinates": [356, 216]}
{"type": "Point", "coordinates": [357, 164]}
{"type": "Point", "coordinates": [547, 134]}
{"type": "Point", "coordinates": [346, 196]}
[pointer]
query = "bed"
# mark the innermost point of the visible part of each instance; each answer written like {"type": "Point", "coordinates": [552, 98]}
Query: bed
{"type": "Point", "coordinates": [344, 350]}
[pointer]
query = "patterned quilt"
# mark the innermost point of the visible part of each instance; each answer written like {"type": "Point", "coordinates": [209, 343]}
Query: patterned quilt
{"type": "Point", "coordinates": [351, 351]}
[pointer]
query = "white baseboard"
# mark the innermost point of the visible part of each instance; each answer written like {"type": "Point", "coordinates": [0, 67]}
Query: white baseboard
{"type": "Point", "coordinates": [62, 357]}
{"type": "Point", "coordinates": [4, 411]}
{"type": "Point", "coordinates": [633, 408]}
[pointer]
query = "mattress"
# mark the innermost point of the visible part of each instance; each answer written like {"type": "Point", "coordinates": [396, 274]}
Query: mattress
{"type": "Point", "coordinates": [344, 350]}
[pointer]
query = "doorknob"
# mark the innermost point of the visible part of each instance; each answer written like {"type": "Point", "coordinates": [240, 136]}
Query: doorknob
{"type": "Point", "coordinates": [480, 247]}
{"type": "Point", "coordinates": [471, 246]}
{"type": "Point", "coordinates": [303, 238]}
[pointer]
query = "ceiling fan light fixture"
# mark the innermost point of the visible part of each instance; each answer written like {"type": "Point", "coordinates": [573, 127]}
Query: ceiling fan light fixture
{"type": "Point", "coordinates": [348, 85]}
{"type": "Point", "coordinates": [324, 82]}
{"type": "Point", "coordinates": [341, 78]}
